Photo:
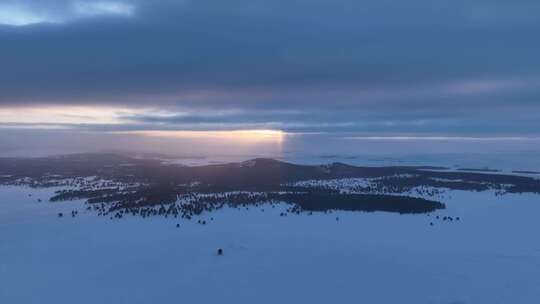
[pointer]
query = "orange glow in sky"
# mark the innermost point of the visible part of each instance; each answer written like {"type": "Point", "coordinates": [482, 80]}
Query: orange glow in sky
{"type": "Point", "coordinates": [246, 136]}
{"type": "Point", "coordinates": [70, 116]}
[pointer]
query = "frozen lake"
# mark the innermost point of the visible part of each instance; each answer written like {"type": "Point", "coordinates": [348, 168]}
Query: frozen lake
{"type": "Point", "coordinates": [492, 255]}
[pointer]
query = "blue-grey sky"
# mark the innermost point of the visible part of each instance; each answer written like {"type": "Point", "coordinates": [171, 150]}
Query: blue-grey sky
{"type": "Point", "coordinates": [353, 67]}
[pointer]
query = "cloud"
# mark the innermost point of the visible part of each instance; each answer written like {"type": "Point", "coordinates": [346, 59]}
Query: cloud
{"type": "Point", "coordinates": [24, 13]}
{"type": "Point", "coordinates": [334, 66]}
{"type": "Point", "coordinates": [103, 8]}
{"type": "Point", "coordinates": [20, 16]}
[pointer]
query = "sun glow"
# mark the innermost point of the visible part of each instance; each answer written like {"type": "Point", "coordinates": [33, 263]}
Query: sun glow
{"type": "Point", "coordinates": [117, 121]}
{"type": "Point", "coordinates": [247, 136]}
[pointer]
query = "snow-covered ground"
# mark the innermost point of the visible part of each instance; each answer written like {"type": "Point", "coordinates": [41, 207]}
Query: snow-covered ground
{"type": "Point", "coordinates": [492, 255]}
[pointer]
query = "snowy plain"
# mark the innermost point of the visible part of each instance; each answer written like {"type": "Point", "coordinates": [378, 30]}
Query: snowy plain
{"type": "Point", "coordinates": [492, 255]}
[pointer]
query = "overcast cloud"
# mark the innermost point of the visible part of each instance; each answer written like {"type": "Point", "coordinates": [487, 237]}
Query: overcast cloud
{"type": "Point", "coordinates": [379, 66]}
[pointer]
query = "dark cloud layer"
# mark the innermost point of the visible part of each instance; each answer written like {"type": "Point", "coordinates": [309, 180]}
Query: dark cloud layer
{"type": "Point", "coordinates": [421, 65]}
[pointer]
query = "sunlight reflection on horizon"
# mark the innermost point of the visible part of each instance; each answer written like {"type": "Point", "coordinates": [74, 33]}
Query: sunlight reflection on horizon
{"type": "Point", "coordinates": [256, 135]}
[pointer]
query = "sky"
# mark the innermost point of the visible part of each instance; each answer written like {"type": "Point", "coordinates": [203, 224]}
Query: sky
{"type": "Point", "coordinates": [125, 73]}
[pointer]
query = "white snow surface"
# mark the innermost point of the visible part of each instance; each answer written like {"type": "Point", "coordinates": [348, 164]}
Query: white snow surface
{"type": "Point", "coordinates": [492, 255]}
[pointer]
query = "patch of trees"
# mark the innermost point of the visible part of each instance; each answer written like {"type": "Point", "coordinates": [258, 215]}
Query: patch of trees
{"type": "Point", "coordinates": [359, 202]}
